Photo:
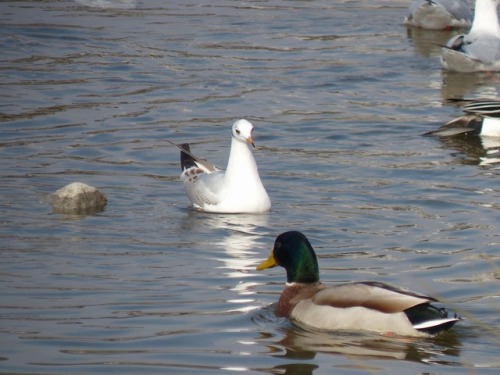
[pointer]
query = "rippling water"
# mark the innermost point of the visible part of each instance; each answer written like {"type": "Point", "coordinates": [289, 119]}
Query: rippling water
{"type": "Point", "coordinates": [339, 92]}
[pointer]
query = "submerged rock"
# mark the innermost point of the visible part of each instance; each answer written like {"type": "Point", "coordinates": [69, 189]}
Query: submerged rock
{"type": "Point", "coordinates": [78, 198]}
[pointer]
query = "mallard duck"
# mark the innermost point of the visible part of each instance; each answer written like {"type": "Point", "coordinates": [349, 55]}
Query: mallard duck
{"type": "Point", "coordinates": [369, 306]}
{"type": "Point", "coordinates": [238, 189]}
{"type": "Point", "coordinates": [482, 117]}
{"type": "Point", "coordinates": [479, 50]}
{"type": "Point", "coordinates": [438, 14]}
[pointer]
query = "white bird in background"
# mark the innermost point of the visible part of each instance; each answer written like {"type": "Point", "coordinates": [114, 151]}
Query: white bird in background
{"type": "Point", "coordinates": [438, 14]}
{"type": "Point", "coordinates": [238, 189]}
{"type": "Point", "coordinates": [479, 50]}
{"type": "Point", "coordinates": [482, 117]}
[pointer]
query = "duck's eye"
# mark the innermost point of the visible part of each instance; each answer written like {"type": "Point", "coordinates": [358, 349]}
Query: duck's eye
{"type": "Point", "coordinates": [237, 131]}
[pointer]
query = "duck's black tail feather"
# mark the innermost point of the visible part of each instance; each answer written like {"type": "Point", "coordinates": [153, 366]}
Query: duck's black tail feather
{"type": "Point", "coordinates": [430, 319]}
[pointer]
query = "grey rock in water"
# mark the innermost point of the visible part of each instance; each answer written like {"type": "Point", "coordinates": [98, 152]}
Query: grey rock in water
{"type": "Point", "coordinates": [78, 198]}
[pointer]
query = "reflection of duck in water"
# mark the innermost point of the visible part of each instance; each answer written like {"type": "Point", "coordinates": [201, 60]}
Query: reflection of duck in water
{"type": "Point", "coordinates": [476, 133]}
{"type": "Point", "coordinates": [369, 306]}
{"type": "Point", "coordinates": [302, 343]}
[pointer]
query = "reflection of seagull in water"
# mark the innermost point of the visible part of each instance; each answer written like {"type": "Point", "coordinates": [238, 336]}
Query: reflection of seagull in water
{"type": "Point", "coordinates": [365, 345]}
{"type": "Point", "coordinates": [240, 242]}
{"type": "Point", "coordinates": [238, 189]}
{"type": "Point", "coordinates": [479, 50]}
{"type": "Point", "coordinates": [438, 14]}
{"type": "Point", "coordinates": [482, 117]}
{"type": "Point", "coordinates": [238, 254]}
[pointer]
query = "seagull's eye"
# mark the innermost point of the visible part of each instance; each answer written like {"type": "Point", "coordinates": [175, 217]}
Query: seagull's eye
{"type": "Point", "coordinates": [237, 131]}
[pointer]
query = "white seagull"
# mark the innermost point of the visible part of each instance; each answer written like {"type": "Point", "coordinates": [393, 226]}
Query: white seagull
{"type": "Point", "coordinates": [482, 117]}
{"type": "Point", "coordinates": [238, 189]}
{"type": "Point", "coordinates": [479, 50]}
{"type": "Point", "coordinates": [438, 14]}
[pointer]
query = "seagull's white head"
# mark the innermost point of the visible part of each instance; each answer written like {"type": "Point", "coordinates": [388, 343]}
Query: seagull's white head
{"type": "Point", "coordinates": [242, 131]}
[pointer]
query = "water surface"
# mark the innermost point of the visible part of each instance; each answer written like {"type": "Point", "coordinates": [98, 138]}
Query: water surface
{"type": "Point", "coordinates": [340, 93]}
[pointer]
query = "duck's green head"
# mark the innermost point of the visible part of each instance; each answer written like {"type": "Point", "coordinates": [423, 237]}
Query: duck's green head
{"type": "Point", "coordinates": [293, 252]}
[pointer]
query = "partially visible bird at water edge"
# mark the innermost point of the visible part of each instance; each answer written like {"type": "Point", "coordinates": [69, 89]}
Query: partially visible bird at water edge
{"type": "Point", "coordinates": [439, 14]}
{"type": "Point", "coordinates": [481, 118]}
{"type": "Point", "coordinates": [238, 189]}
{"type": "Point", "coordinates": [479, 50]}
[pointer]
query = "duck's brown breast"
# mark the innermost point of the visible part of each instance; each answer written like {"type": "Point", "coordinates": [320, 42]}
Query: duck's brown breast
{"type": "Point", "coordinates": [293, 294]}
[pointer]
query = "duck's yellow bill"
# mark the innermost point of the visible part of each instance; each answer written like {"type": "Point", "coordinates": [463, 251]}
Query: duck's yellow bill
{"type": "Point", "coordinates": [268, 263]}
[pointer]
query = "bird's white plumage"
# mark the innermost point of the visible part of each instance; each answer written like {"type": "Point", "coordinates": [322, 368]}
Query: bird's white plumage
{"type": "Point", "coordinates": [479, 50]}
{"type": "Point", "coordinates": [490, 127]}
{"type": "Point", "coordinates": [352, 318]}
{"type": "Point", "coordinates": [238, 189]}
{"type": "Point", "coordinates": [438, 14]}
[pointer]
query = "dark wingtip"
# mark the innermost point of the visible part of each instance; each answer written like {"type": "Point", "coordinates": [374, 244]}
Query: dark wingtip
{"type": "Point", "coordinates": [187, 160]}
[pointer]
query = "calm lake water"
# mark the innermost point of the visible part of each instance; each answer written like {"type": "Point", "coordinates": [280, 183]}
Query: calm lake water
{"type": "Point", "coordinates": [340, 93]}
